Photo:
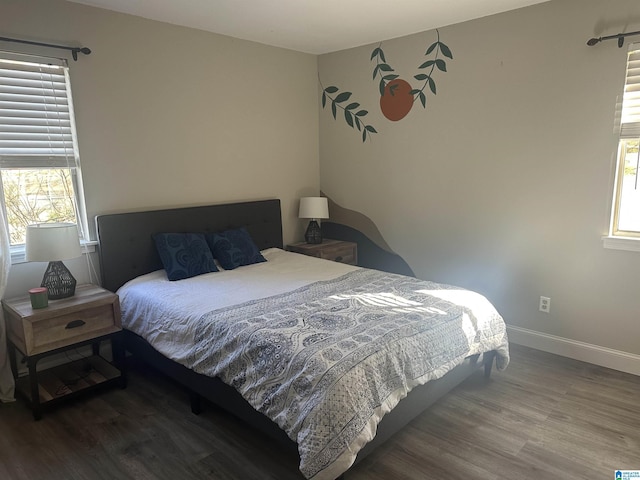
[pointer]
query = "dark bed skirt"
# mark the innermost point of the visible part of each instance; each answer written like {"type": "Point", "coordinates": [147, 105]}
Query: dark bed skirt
{"type": "Point", "coordinates": [201, 386]}
{"type": "Point", "coordinates": [220, 394]}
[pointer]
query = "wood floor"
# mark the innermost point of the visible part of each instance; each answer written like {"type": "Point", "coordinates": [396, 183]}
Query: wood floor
{"type": "Point", "coordinates": [545, 417]}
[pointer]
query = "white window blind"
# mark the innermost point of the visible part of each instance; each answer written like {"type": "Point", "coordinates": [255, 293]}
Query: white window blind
{"type": "Point", "coordinates": [35, 116]}
{"type": "Point", "coordinates": [630, 115]}
{"type": "Point", "coordinates": [40, 177]}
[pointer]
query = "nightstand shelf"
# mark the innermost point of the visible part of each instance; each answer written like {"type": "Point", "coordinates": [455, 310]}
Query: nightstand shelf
{"type": "Point", "coordinates": [335, 250]}
{"type": "Point", "coordinates": [90, 317]}
{"type": "Point", "coordinates": [70, 379]}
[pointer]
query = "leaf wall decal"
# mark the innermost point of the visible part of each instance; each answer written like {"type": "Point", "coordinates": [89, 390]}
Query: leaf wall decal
{"type": "Point", "coordinates": [353, 120]}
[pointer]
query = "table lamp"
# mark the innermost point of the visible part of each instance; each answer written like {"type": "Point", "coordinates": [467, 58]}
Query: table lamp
{"type": "Point", "coordinates": [314, 208]}
{"type": "Point", "coordinates": [54, 242]}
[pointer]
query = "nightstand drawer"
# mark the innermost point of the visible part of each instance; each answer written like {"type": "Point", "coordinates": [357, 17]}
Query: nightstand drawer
{"type": "Point", "coordinates": [67, 329]}
{"type": "Point", "coordinates": [90, 313]}
{"type": "Point", "coordinates": [342, 254]}
{"type": "Point", "coordinates": [334, 250]}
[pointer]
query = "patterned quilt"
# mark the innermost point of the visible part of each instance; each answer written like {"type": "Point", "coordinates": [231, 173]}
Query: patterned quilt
{"type": "Point", "coordinates": [326, 361]}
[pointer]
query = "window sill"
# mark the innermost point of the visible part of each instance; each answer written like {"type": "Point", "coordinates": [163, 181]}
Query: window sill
{"type": "Point", "coordinates": [631, 244]}
{"type": "Point", "coordinates": [18, 253]}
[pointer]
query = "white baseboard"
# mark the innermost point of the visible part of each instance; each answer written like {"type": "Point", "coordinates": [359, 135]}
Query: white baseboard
{"type": "Point", "coordinates": [586, 352]}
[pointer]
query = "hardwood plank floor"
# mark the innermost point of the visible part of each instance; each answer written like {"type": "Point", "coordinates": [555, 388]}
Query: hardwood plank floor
{"type": "Point", "coordinates": [545, 417]}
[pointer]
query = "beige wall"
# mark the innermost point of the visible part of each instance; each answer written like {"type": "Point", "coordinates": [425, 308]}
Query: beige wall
{"type": "Point", "coordinates": [170, 116]}
{"type": "Point", "coordinates": [503, 183]}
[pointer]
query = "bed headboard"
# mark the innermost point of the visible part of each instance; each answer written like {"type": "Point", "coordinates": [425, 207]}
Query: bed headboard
{"type": "Point", "coordinates": [126, 248]}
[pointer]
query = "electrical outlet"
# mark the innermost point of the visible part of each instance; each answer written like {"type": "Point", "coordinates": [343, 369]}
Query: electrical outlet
{"type": "Point", "coordinates": [545, 304]}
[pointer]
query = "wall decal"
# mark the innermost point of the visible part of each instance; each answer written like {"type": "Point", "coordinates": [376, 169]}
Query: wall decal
{"type": "Point", "coordinates": [373, 250]}
{"type": "Point", "coordinates": [396, 95]}
{"type": "Point", "coordinates": [353, 117]}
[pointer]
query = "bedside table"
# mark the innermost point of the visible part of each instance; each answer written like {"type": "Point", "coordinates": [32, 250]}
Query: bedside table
{"type": "Point", "coordinates": [90, 317]}
{"type": "Point", "coordinates": [336, 250]}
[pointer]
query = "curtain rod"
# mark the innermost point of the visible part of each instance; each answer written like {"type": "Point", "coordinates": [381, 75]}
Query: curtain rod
{"type": "Point", "coordinates": [74, 50]}
{"type": "Point", "coordinates": [620, 36]}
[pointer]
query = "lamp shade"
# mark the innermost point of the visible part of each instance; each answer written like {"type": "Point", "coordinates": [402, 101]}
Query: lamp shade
{"type": "Point", "coordinates": [47, 242]}
{"type": "Point", "coordinates": [313, 207]}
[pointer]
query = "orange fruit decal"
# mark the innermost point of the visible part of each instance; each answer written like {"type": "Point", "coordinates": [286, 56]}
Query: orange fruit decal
{"type": "Point", "coordinates": [397, 100]}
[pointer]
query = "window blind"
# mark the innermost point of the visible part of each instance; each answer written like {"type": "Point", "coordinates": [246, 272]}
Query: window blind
{"type": "Point", "coordinates": [35, 116]}
{"type": "Point", "coordinates": [630, 115]}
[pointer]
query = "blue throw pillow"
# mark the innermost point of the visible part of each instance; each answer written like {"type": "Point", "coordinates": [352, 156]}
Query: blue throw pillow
{"type": "Point", "coordinates": [184, 255]}
{"type": "Point", "coordinates": [234, 248]}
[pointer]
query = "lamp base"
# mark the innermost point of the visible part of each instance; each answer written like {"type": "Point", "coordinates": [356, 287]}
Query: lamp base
{"type": "Point", "coordinates": [313, 233]}
{"type": "Point", "coordinates": [58, 281]}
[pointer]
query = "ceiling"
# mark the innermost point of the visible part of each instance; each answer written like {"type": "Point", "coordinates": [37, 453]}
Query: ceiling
{"type": "Point", "coordinates": [312, 26]}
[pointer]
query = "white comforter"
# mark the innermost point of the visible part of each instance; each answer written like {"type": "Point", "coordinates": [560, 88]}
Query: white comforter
{"type": "Point", "coordinates": [298, 336]}
{"type": "Point", "coordinates": [164, 312]}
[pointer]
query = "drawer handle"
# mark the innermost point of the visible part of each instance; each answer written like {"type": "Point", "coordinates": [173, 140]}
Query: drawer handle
{"type": "Point", "coordinates": [339, 258]}
{"type": "Point", "coordinates": [75, 324]}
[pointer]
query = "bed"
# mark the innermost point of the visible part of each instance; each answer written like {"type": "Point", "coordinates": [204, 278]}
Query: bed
{"type": "Point", "coordinates": [298, 300]}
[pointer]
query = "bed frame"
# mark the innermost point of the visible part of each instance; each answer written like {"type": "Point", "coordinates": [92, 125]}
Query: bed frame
{"type": "Point", "coordinates": [126, 251]}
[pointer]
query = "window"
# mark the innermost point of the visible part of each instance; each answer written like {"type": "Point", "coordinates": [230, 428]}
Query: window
{"type": "Point", "coordinates": [39, 162]}
{"type": "Point", "coordinates": [627, 214]}
{"type": "Point", "coordinates": [625, 220]}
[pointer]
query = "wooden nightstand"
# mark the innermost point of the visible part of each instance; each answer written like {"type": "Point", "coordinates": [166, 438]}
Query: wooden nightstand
{"type": "Point", "coordinates": [336, 250]}
{"type": "Point", "coordinates": [90, 317]}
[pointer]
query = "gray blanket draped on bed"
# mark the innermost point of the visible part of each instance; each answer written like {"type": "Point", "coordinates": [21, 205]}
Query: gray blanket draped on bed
{"type": "Point", "coordinates": [328, 360]}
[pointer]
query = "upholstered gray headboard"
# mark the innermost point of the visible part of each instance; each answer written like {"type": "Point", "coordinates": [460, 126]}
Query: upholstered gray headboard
{"type": "Point", "coordinates": [127, 250]}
